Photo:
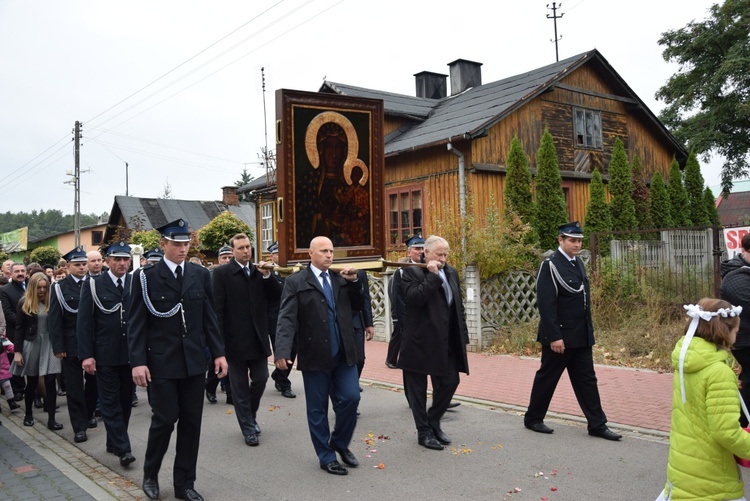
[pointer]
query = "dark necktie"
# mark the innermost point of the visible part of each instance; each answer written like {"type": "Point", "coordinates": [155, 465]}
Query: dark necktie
{"type": "Point", "coordinates": [119, 286]}
{"type": "Point", "coordinates": [178, 274]}
{"type": "Point", "coordinates": [79, 283]}
{"type": "Point", "coordinates": [328, 290]}
{"type": "Point", "coordinates": [573, 262]}
{"type": "Point", "coordinates": [247, 271]}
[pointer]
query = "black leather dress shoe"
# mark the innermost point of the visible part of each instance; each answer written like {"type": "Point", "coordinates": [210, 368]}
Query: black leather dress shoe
{"type": "Point", "coordinates": [151, 488]}
{"type": "Point", "coordinates": [252, 440]}
{"type": "Point", "coordinates": [13, 405]}
{"type": "Point", "coordinates": [334, 468]}
{"type": "Point", "coordinates": [278, 386]}
{"type": "Point", "coordinates": [257, 429]}
{"type": "Point", "coordinates": [189, 494]}
{"type": "Point", "coordinates": [453, 405]}
{"type": "Point", "coordinates": [605, 433]}
{"type": "Point", "coordinates": [54, 425]}
{"type": "Point", "coordinates": [390, 365]}
{"type": "Point", "coordinates": [28, 421]}
{"type": "Point", "coordinates": [38, 403]}
{"type": "Point", "coordinates": [288, 394]}
{"type": "Point", "coordinates": [211, 397]}
{"type": "Point", "coordinates": [441, 436]}
{"type": "Point", "coordinates": [91, 423]}
{"type": "Point", "coordinates": [430, 442]}
{"type": "Point", "coordinates": [126, 458]}
{"type": "Point", "coordinates": [79, 437]}
{"type": "Point", "coordinates": [347, 457]}
{"type": "Point", "coordinates": [539, 427]}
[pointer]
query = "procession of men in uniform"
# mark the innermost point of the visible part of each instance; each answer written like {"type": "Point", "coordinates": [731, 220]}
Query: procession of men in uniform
{"type": "Point", "coordinates": [156, 328]}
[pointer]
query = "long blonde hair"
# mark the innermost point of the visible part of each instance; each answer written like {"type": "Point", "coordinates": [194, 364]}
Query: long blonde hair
{"type": "Point", "coordinates": [31, 303]}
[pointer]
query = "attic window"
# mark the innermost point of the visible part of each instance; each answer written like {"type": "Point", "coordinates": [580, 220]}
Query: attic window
{"type": "Point", "coordinates": [588, 128]}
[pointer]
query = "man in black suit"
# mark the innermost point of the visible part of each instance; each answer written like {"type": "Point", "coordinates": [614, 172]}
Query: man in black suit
{"type": "Point", "coordinates": [241, 294]}
{"type": "Point", "coordinates": [62, 318]}
{"type": "Point", "coordinates": [434, 340]}
{"type": "Point", "coordinates": [280, 378]}
{"type": "Point", "coordinates": [566, 334]}
{"type": "Point", "coordinates": [171, 321]}
{"type": "Point", "coordinates": [10, 294]}
{"type": "Point", "coordinates": [316, 308]}
{"type": "Point", "coordinates": [103, 345]}
{"type": "Point", "coordinates": [414, 254]}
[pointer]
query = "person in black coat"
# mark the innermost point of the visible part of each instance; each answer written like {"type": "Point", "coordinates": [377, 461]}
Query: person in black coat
{"type": "Point", "coordinates": [10, 294]}
{"type": "Point", "coordinates": [241, 294]}
{"type": "Point", "coordinates": [63, 316]}
{"type": "Point", "coordinates": [103, 345]}
{"type": "Point", "coordinates": [566, 333]}
{"type": "Point", "coordinates": [415, 254]}
{"type": "Point", "coordinates": [280, 377]}
{"type": "Point", "coordinates": [316, 309]}
{"type": "Point", "coordinates": [171, 321]}
{"type": "Point", "coordinates": [434, 340]}
{"type": "Point", "coordinates": [362, 321]}
{"type": "Point", "coordinates": [735, 288]}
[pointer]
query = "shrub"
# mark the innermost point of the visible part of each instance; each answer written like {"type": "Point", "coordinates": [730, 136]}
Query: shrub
{"type": "Point", "coordinates": [597, 217]}
{"type": "Point", "coordinates": [518, 196]}
{"type": "Point", "coordinates": [694, 184]}
{"type": "Point", "coordinates": [678, 200]}
{"type": "Point", "coordinates": [221, 229]}
{"type": "Point", "coordinates": [622, 207]}
{"type": "Point", "coordinates": [45, 255]}
{"type": "Point", "coordinates": [661, 210]}
{"type": "Point", "coordinates": [550, 200]}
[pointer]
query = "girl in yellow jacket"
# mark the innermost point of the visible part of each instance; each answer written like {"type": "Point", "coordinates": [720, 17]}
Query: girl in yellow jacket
{"type": "Point", "coordinates": [706, 433]}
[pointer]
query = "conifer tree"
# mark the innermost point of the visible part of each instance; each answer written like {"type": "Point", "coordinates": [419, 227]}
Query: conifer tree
{"type": "Point", "coordinates": [711, 210]}
{"type": "Point", "coordinates": [622, 207]}
{"type": "Point", "coordinates": [678, 201]}
{"type": "Point", "coordinates": [694, 185]}
{"type": "Point", "coordinates": [640, 195]}
{"type": "Point", "coordinates": [661, 212]}
{"type": "Point", "coordinates": [550, 199]}
{"type": "Point", "coordinates": [597, 211]}
{"type": "Point", "coordinates": [518, 196]}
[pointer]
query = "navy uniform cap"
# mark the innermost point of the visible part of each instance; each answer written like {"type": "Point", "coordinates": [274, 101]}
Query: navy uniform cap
{"type": "Point", "coordinates": [154, 255]}
{"type": "Point", "coordinates": [571, 230]}
{"type": "Point", "coordinates": [415, 241]}
{"type": "Point", "coordinates": [273, 248]}
{"type": "Point", "coordinates": [225, 249]}
{"type": "Point", "coordinates": [177, 231]}
{"type": "Point", "coordinates": [118, 249]}
{"type": "Point", "coordinates": [77, 255]}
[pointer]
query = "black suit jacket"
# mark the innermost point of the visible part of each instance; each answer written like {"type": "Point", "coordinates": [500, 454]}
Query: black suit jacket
{"type": "Point", "coordinates": [60, 322]}
{"type": "Point", "coordinates": [163, 344]}
{"type": "Point", "coordinates": [10, 294]}
{"type": "Point", "coordinates": [304, 313]}
{"type": "Point", "coordinates": [241, 309]}
{"type": "Point", "coordinates": [432, 330]}
{"type": "Point", "coordinates": [562, 314]}
{"type": "Point", "coordinates": [101, 335]}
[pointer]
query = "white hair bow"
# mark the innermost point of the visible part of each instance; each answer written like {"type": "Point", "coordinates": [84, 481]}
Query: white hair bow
{"type": "Point", "coordinates": [697, 313]}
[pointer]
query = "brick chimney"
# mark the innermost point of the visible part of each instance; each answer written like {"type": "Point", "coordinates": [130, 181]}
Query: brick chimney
{"type": "Point", "coordinates": [230, 196]}
{"type": "Point", "coordinates": [464, 75]}
{"type": "Point", "coordinates": [431, 85]}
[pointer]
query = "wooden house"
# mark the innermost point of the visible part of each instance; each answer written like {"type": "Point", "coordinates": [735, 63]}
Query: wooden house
{"type": "Point", "coordinates": [431, 138]}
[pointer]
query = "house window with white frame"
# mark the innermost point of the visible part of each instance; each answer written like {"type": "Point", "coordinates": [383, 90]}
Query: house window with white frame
{"type": "Point", "coordinates": [588, 128]}
{"type": "Point", "coordinates": [266, 226]}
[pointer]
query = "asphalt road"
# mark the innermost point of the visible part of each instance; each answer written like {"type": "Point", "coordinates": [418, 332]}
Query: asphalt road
{"type": "Point", "coordinates": [492, 456]}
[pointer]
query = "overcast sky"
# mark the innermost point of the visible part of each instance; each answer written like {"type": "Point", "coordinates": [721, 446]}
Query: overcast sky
{"type": "Point", "coordinates": [173, 88]}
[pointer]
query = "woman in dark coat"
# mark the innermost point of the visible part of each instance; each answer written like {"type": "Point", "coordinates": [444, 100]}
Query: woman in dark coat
{"type": "Point", "coordinates": [34, 357]}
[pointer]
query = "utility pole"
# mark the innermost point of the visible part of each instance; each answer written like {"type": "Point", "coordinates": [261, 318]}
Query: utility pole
{"type": "Point", "coordinates": [126, 179]}
{"type": "Point", "coordinates": [555, 17]}
{"type": "Point", "coordinates": [76, 182]}
{"type": "Point", "coordinates": [265, 129]}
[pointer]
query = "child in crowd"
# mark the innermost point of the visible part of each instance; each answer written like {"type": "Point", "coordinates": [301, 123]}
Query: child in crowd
{"type": "Point", "coordinates": [7, 347]}
{"type": "Point", "coordinates": [705, 431]}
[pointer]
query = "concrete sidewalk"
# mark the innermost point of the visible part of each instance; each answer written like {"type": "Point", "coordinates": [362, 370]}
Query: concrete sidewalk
{"type": "Point", "coordinates": [36, 463]}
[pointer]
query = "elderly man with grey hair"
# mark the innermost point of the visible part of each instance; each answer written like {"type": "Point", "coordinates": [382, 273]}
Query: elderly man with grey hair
{"type": "Point", "coordinates": [434, 340]}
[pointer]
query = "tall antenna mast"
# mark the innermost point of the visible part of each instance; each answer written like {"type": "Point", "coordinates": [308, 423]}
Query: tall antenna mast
{"type": "Point", "coordinates": [269, 174]}
{"type": "Point", "coordinates": [554, 18]}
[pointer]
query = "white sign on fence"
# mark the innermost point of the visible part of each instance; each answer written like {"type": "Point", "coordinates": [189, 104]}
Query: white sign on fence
{"type": "Point", "coordinates": [733, 239]}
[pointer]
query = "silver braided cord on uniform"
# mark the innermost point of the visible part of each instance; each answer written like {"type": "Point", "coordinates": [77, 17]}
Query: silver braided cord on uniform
{"type": "Point", "coordinates": [150, 306]}
{"type": "Point", "coordinates": [62, 301]}
{"type": "Point", "coordinates": [98, 303]}
{"type": "Point", "coordinates": [556, 278]}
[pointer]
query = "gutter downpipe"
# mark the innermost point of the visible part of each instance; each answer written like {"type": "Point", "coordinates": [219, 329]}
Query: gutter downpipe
{"type": "Point", "coordinates": [461, 188]}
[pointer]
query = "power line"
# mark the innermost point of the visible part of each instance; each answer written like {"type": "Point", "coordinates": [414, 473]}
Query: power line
{"type": "Point", "coordinates": [64, 138]}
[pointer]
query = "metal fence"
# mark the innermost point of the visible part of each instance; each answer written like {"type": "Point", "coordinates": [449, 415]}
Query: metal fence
{"type": "Point", "coordinates": [681, 264]}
